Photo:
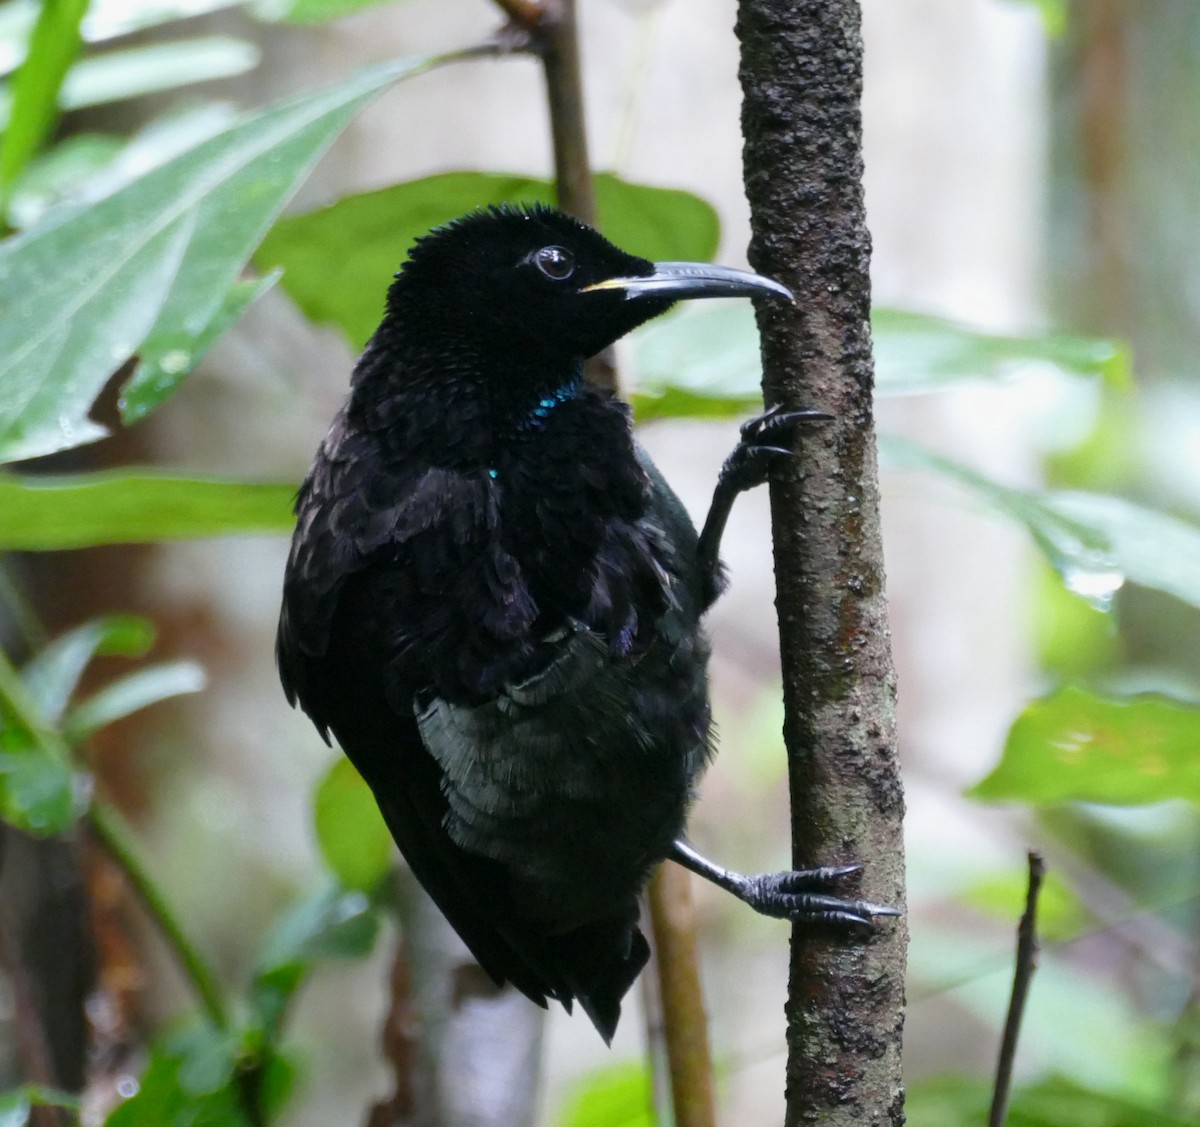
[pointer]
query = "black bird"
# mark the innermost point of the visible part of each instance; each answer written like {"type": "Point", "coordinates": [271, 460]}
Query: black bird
{"type": "Point", "coordinates": [493, 603]}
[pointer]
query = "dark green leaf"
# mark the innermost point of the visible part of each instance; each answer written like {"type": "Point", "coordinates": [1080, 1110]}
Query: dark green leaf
{"type": "Point", "coordinates": [52, 675]}
{"type": "Point", "coordinates": [1095, 543]}
{"type": "Point", "coordinates": [139, 506]}
{"type": "Point", "coordinates": [130, 694]}
{"type": "Point", "coordinates": [55, 42]}
{"type": "Point", "coordinates": [1074, 746]}
{"type": "Point", "coordinates": [351, 832]}
{"type": "Point", "coordinates": [339, 261]}
{"type": "Point", "coordinates": [150, 265]}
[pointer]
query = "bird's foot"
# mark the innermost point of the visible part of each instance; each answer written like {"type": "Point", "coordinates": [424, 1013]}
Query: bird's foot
{"type": "Point", "coordinates": [802, 896]}
{"type": "Point", "coordinates": [762, 444]}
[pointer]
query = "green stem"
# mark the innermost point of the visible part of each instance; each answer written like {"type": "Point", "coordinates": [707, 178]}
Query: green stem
{"type": "Point", "coordinates": [115, 836]}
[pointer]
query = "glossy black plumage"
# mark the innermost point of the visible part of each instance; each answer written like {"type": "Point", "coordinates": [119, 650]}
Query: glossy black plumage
{"type": "Point", "coordinates": [493, 602]}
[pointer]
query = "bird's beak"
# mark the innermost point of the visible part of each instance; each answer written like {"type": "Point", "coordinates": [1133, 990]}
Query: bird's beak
{"type": "Point", "coordinates": [677, 281]}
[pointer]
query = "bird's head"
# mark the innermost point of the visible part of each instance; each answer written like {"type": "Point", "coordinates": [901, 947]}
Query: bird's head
{"type": "Point", "coordinates": [533, 280]}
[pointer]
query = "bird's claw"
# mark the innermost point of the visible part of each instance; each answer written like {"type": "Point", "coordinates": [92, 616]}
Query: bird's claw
{"type": "Point", "coordinates": [798, 896]}
{"type": "Point", "coordinates": [761, 446]}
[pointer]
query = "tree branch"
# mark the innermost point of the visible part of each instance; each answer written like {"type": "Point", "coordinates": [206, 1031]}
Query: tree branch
{"type": "Point", "coordinates": [685, 1023]}
{"type": "Point", "coordinates": [1027, 952]}
{"type": "Point", "coordinates": [802, 77]}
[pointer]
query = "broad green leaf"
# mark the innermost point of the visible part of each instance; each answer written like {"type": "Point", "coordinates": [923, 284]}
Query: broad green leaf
{"type": "Point", "coordinates": [53, 45]}
{"type": "Point", "coordinates": [915, 352]}
{"type": "Point", "coordinates": [333, 923]}
{"type": "Point", "coordinates": [339, 261]}
{"type": "Point", "coordinates": [311, 11]}
{"type": "Point", "coordinates": [154, 67]}
{"type": "Point", "coordinates": [88, 287]}
{"type": "Point", "coordinates": [130, 694]}
{"type": "Point", "coordinates": [618, 1095]}
{"type": "Point", "coordinates": [58, 173]}
{"type": "Point", "coordinates": [703, 360]}
{"type": "Point", "coordinates": [1095, 543]}
{"type": "Point", "coordinates": [53, 674]}
{"type": "Point", "coordinates": [138, 506]}
{"type": "Point", "coordinates": [1074, 746]}
{"type": "Point", "coordinates": [351, 833]}
{"type": "Point", "coordinates": [171, 356]}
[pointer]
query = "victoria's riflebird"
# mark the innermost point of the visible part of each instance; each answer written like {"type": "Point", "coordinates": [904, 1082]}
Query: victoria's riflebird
{"type": "Point", "coordinates": [493, 602]}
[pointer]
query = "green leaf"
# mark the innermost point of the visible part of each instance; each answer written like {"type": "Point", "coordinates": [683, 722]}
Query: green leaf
{"type": "Point", "coordinates": [151, 68]}
{"type": "Point", "coordinates": [1061, 915]}
{"type": "Point", "coordinates": [1074, 746]}
{"type": "Point", "coordinates": [703, 360]}
{"type": "Point", "coordinates": [339, 261]}
{"type": "Point", "coordinates": [150, 265]}
{"type": "Point", "coordinates": [58, 173]}
{"type": "Point", "coordinates": [193, 1079]}
{"type": "Point", "coordinates": [53, 45]}
{"type": "Point", "coordinates": [132, 507]}
{"type": "Point", "coordinates": [53, 674]}
{"type": "Point", "coordinates": [333, 923]}
{"type": "Point", "coordinates": [1060, 1102]}
{"type": "Point", "coordinates": [167, 360]}
{"type": "Point", "coordinates": [616, 1095]}
{"type": "Point", "coordinates": [310, 11]}
{"type": "Point", "coordinates": [37, 791]}
{"type": "Point", "coordinates": [917, 353]}
{"type": "Point", "coordinates": [1095, 543]}
{"type": "Point", "coordinates": [351, 833]}
{"type": "Point", "coordinates": [130, 694]}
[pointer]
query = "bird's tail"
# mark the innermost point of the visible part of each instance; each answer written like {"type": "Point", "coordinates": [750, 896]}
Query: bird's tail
{"type": "Point", "coordinates": [599, 963]}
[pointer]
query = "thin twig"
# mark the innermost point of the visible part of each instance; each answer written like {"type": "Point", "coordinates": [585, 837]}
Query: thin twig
{"type": "Point", "coordinates": [1027, 951]}
{"type": "Point", "coordinates": [685, 1024]}
{"type": "Point", "coordinates": [114, 835]}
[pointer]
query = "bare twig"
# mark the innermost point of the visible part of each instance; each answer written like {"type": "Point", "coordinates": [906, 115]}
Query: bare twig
{"type": "Point", "coordinates": [1027, 951]}
{"type": "Point", "coordinates": [685, 1023]}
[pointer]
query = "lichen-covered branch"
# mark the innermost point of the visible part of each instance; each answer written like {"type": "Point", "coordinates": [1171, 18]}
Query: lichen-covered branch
{"type": "Point", "coordinates": [801, 78]}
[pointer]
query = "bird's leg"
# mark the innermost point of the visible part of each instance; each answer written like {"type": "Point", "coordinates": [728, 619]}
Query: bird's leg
{"type": "Point", "coordinates": [748, 466]}
{"type": "Point", "coordinates": [797, 895]}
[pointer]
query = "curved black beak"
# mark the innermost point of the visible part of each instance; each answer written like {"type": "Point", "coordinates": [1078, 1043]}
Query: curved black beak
{"type": "Point", "coordinates": [678, 281]}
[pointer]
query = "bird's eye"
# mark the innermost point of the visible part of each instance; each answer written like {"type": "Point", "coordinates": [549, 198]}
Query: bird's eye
{"type": "Point", "coordinates": [557, 263]}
